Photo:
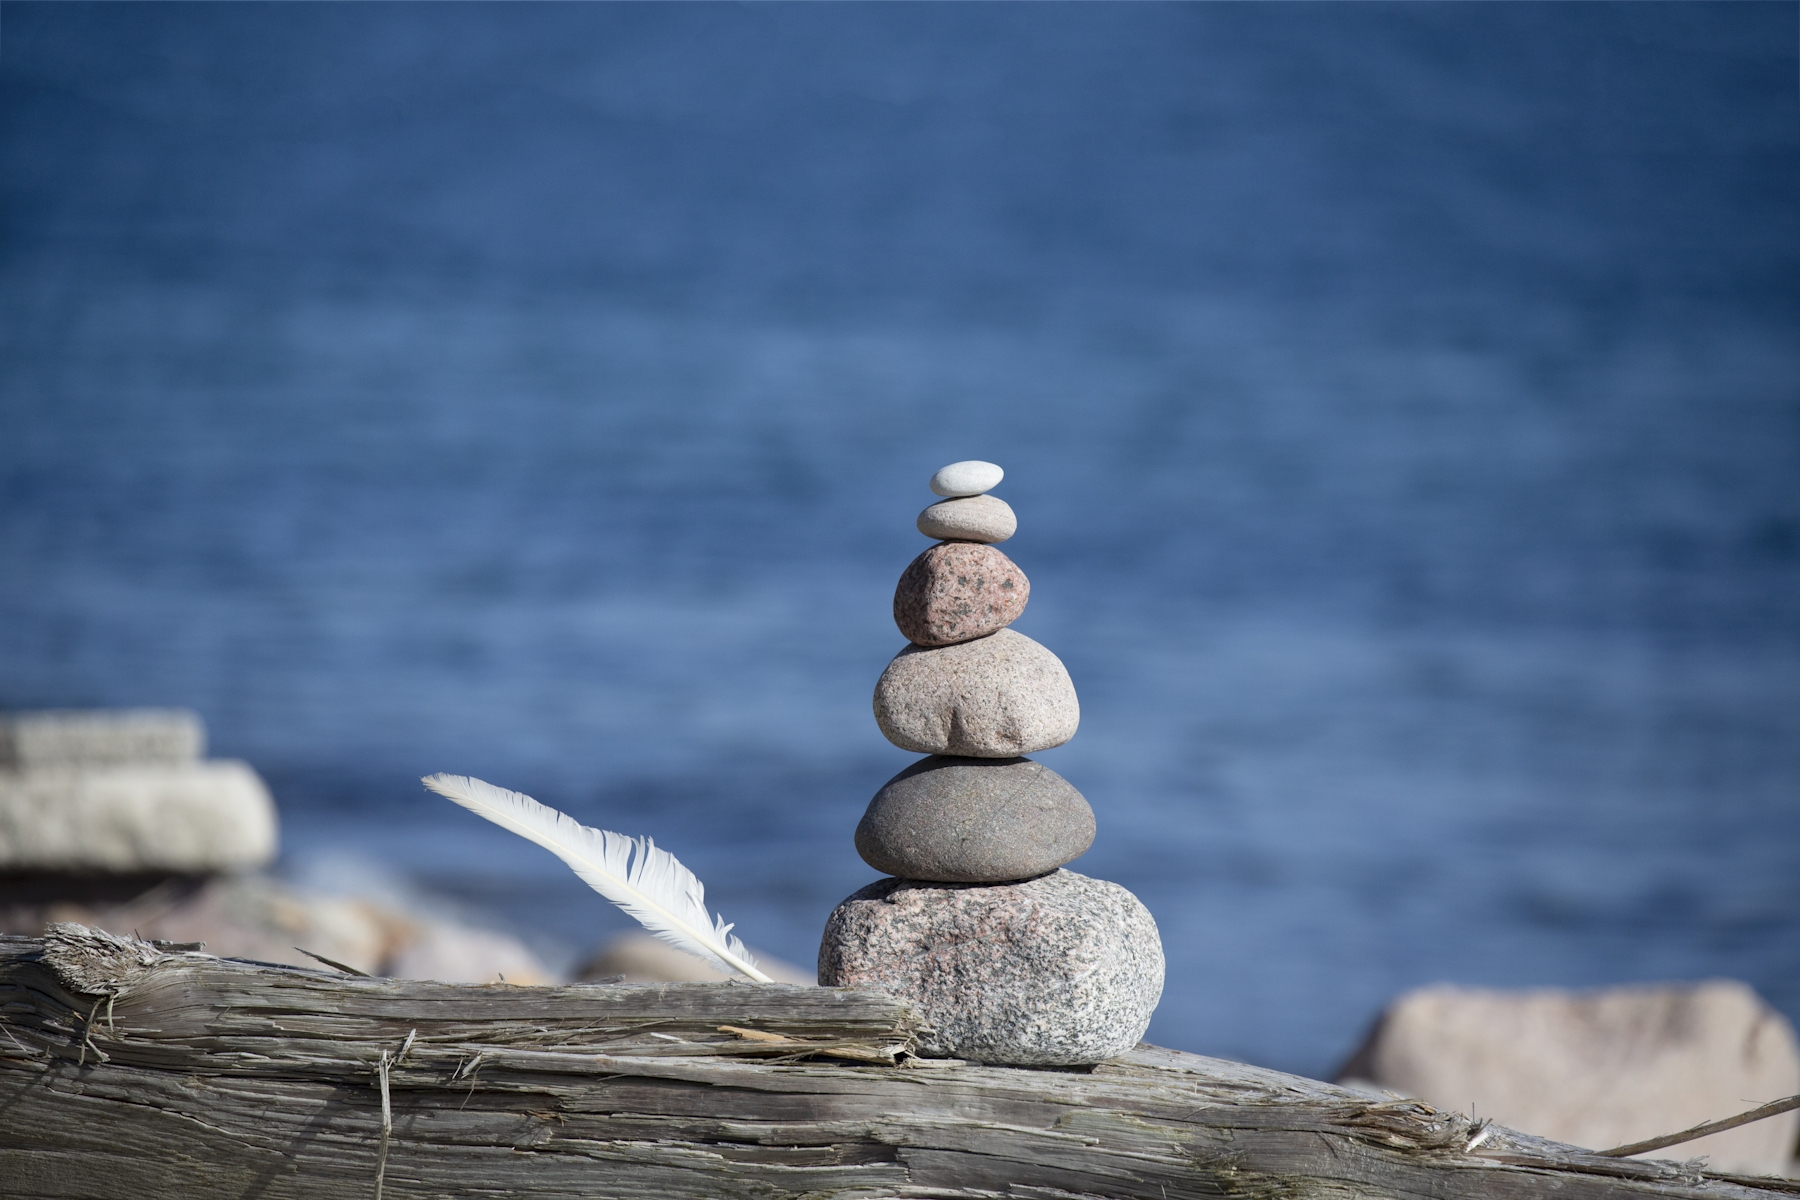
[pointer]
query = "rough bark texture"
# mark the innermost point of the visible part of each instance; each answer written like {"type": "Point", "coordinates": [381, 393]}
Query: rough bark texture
{"type": "Point", "coordinates": [130, 1071]}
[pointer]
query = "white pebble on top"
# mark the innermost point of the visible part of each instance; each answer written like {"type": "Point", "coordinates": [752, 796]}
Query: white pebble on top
{"type": "Point", "coordinates": [969, 478]}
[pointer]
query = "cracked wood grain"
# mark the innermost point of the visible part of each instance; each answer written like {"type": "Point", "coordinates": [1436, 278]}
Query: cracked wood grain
{"type": "Point", "coordinates": [244, 1080]}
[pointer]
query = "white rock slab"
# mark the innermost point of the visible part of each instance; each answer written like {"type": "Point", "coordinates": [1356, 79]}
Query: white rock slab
{"type": "Point", "coordinates": [970, 477]}
{"type": "Point", "coordinates": [1598, 1069]}
{"type": "Point", "coordinates": [195, 817]}
{"type": "Point", "coordinates": [100, 737]}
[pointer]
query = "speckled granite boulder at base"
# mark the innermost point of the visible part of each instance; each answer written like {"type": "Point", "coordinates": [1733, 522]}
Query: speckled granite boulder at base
{"type": "Point", "coordinates": [958, 591]}
{"type": "Point", "coordinates": [995, 697]}
{"type": "Point", "coordinates": [1061, 970]}
{"type": "Point", "coordinates": [974, 820]}
{"type": "Point", "coordinates": [969, 519]}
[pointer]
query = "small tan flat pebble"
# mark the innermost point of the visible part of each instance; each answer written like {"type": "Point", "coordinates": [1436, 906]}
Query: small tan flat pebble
{"type": "Point", "coordinates": [958, 591]}
{"type": "Point", "coordinates": [995, 697]}
{"type": "Point", "coordinates": [969, 478]}
{"type": "Point", "coordinates": [969, 519]}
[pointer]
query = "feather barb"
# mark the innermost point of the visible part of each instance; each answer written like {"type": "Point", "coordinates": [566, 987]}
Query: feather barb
{"type": "Point", "coordinates": [645, 881]}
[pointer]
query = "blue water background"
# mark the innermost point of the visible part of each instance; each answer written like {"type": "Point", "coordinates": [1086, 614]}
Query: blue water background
{"type": "Point", "coordinates": [1401, 406]}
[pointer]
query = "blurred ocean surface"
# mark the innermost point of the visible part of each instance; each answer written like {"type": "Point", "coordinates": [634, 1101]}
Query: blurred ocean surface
{"type": "Point", "coordinates": [1401, 406]}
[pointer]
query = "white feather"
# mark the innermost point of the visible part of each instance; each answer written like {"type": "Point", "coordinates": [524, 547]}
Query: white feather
{"type": "Point", "coordinates": [648, 883]}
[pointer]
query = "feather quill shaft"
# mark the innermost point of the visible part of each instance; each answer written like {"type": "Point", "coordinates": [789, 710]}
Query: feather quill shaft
{"type": "Point", "coordinates": [647, 882]}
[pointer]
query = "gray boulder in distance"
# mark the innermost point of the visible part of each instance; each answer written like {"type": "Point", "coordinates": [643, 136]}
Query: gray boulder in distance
{"type": "Point", "coordinates": [974, 820]}
{"type": "Point", "coordinates": [267, 920]}
{"type": "Point", "coordinates": [995, 697]}
{"type": "Point", "coordinates": [641, 957]}
{"type": "Point", "coordinates": [450, 952]}
{"type": "Point", "coordinates": [1061, 970]}
{"type": "Point", "coordinates": [1598, 1069]}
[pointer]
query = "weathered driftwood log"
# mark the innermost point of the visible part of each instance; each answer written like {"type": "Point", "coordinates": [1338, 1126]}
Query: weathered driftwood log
{"type": "Point", "coordinates": [130, 1070]}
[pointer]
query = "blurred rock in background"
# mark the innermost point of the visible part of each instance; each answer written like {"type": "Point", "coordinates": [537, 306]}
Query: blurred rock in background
{"type": "Point", "coordinates": [122, 737]}
{"type": "Point", "coordinates": [456, 953]}
{"type": "Point", "coordinates": [118, 792]}
{"type": "Point", "coordinates": [641, 958]}
{"type": "Point", "coordinates": [1598, 1069]}
{"type": "Point", "coordinates": [113, 819]}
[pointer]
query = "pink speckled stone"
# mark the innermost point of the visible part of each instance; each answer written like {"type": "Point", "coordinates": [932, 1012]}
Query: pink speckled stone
{"type": "Point", "coordinates": [1061, 970]}
{"type": "Point", "coordinates": [958, 591]}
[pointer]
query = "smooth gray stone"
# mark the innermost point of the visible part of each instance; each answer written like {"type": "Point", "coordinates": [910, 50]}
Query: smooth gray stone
{"type": "Point", "coordinates": [995, 697]}
{"type": "Point", "coordinates": [1061, 970]}
{"type": "Point", "coordinates": [974, 820]}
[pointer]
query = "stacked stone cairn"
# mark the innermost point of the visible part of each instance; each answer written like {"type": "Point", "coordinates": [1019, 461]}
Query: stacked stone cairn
{"type": "Point", "coordinates": [126, 792]}
{"type": "Point", "coordinates": [1009, 958]}
{"type": "Point", "coordinates": [116, 818]}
